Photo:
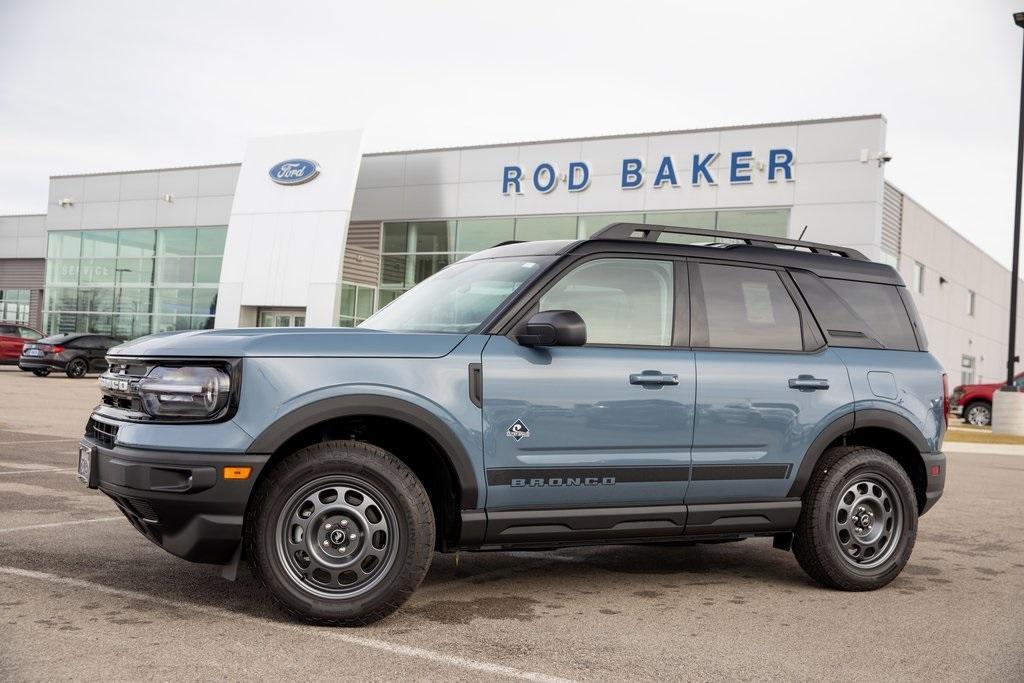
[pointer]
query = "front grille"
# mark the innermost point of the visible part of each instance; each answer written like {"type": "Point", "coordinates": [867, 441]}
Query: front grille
{"type": "Point", "coordinates": [142, 508]}
{"type": "Point", "coordinates": [103, 433]}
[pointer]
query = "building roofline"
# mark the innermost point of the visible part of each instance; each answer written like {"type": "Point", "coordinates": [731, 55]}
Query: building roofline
{"type": "Point", "coordinates": [614, 136]}
{"type": "Point", "coordinates": [22, 215]}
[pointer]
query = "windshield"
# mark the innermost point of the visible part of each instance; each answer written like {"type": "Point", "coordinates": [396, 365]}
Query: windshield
{"type": "Point", "coordinates": [458, 298]}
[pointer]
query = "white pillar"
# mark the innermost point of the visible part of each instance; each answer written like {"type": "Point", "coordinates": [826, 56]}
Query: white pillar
{"type": "Point", "coordinates": [1008, 413]}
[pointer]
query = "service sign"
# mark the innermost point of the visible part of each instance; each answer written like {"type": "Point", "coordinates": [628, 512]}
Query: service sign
{"type": "Point", "coordinates": [294, 171]}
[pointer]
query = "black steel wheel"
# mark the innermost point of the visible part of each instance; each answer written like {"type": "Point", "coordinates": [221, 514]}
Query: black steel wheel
{"type": "Point", "coordinates": [340, 533]}
{"type": "Point", "coordinates": [858, 522]}
{"type": "Point", "coordinates": [76, 368]}
{"type": "Point", "coordinates": [40, 372]}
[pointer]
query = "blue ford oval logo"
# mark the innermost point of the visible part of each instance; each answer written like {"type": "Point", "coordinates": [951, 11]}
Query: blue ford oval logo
{"type": "Point", "coordinates": [294, 171]}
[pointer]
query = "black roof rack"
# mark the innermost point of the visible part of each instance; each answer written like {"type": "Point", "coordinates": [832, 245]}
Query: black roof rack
{"type": "Point", "coordinates": [650, 233]}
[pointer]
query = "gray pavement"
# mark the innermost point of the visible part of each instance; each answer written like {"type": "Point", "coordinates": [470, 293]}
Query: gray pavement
{"type": "Point", "coordinates": [83, 595]}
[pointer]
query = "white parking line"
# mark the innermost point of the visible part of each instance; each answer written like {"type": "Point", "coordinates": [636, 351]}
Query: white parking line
{"type": "Point", "coordinates": [15, 443]}
{"type": "Point", "coordinates": [57, 524]}
{"type": "Point", "coordinates": [488, 668]}
{"type": "Point", "coordinates": [43, 469]}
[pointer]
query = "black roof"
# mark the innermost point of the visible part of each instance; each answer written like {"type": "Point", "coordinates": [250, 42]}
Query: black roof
{"type": "Point", "coordinates": [824, 260]}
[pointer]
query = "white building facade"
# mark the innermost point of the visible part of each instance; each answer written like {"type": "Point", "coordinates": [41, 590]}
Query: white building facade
{"type": "Point", "coordinates": [308, 230]}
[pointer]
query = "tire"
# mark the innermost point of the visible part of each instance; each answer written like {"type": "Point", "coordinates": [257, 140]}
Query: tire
{"type": "Point", "coordinates": [40, 372]}
{"type": "Point", "coordinates": [978, 413]}
{"type": "Point", "coordinates": [831, 543]}
{"type": "Point", "coordinates": [76, 368]}
{"type": "Point", "coordinates": [292, 540]}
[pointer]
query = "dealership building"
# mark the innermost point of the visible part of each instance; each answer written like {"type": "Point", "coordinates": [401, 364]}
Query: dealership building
{"type": "Point", "coordinates": [311, 230]}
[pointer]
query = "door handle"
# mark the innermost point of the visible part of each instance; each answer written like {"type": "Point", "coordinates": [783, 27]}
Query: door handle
{"type": "Point", "coordinates": [653, 378]}
{"type": "Point", "coordinates": [808, 383]}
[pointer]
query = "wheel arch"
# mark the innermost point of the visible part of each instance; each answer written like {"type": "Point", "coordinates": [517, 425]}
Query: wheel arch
{"type": "Point", "coordinates": [887, 431]}
{"type": "Point", "coordinates": [386, 422]}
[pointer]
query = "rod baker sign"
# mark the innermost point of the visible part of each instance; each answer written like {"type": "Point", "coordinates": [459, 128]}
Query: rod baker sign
{"type": "Point", "coordinates": [739, 168]}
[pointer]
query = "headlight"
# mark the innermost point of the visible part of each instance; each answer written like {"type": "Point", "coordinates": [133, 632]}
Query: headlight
{"type": "Point", "coordinates": [188, 391]}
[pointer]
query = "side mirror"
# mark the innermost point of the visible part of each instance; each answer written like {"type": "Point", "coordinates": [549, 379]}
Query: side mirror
{"type": "Point", "coordinates": [554, 328]}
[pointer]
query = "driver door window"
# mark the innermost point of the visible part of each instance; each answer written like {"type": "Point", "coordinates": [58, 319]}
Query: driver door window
{"type": "Point", "coordinates": [624, 302]}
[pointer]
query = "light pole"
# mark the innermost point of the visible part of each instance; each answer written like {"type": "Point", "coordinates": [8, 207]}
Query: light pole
{"type": "Point", "coordinates": [1011, 359]}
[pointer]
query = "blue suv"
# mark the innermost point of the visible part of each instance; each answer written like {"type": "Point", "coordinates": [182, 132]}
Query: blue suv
{"type": "Point", "coordinates": [651, 384]}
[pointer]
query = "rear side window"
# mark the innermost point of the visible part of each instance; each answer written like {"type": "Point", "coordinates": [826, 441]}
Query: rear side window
{"type": "Point", "coordinates": [748, 308]}
{"type": "Point", "coordinates": [859, 314]}
{"type": "Point", "coordinates": [27, 333]}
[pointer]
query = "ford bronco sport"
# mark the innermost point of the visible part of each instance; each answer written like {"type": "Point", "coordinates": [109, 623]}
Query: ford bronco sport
{"type": "Point", "coordinates": [634, 387]}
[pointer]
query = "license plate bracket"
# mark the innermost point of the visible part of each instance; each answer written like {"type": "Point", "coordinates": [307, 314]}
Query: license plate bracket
{"type": "Point", "coordinates": [88, 470]}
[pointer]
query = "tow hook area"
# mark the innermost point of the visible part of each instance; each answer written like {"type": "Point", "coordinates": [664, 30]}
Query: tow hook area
{"type": "Point", "coordinates": [783, 541]}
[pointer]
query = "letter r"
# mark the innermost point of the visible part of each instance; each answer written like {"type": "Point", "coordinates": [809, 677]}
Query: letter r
{"type": "Point", "coordinates": [511, 176]}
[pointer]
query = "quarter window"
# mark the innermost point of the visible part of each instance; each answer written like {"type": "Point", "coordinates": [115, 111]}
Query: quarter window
{"type": "Point", "coordinates": [626, 302]}
{"type": "Point", "coordinates": [748, 308]}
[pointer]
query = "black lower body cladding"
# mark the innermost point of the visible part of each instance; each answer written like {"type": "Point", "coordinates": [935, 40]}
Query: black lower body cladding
{"type": "Point", "coordinates": [180, 501]}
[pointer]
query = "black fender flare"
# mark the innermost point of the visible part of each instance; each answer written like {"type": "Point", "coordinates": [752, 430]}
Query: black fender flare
{"type": "Point", "coordinates": [859, 419]}
{"type": "Point", "coordinates": [290, 424]}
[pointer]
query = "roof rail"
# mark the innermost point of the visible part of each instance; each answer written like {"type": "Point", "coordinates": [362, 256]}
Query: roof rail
{"type": "Point", "coordinates": [650, 233]}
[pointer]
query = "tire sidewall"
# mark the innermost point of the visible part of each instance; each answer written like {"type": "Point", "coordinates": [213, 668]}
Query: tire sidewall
{"type": "Point", "coordinates": [838, 478]}
{"type": "Point", "coordinates": [382, 472]}
{"type": "Point", "coordinates": [967, 412]}
{"type": "Point", "coordinates": [72, 370]}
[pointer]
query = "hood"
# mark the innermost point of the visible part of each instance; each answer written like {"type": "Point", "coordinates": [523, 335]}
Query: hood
{"type": "Point", "coordinates": [297, 342]}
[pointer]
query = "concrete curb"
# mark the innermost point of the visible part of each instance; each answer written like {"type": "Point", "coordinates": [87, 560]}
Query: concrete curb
{"type": "Point", "coordinates": [983, 448]}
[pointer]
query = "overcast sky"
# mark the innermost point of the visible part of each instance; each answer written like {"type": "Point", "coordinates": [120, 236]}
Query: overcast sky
{"type": "Point", "coordinates": [108, 86]}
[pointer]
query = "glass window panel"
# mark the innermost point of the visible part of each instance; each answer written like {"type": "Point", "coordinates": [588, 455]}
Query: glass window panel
{"type": "Point", "coordinates": [61, 299]}
{"type": "Point", "coordinates": [433, 235]}
{"type": "Point", "coordinates": [591, 224]}
{"type": "Point", "coordinates": [428, 265]}
{"type": "Point", "coordinates": [772, 222]}
{"type": "Point", "coordinates": [478, 234]}
{"type": "Point", "coordinates": [749, 308]}
{"type": "Point", "coordinates": [549, 228]}
{"type": "Point", "coordinates": [204, 301]}
{"type": "Point", "coordinates": [703, 220]}
{"type": "Point", "coordinates": [97, 271]}
{"type": "Point", "coordinates": [172, 323]}
{"type": "Point", "coordinates": [880, 307]}
{"type": "Point", "coordinates": [133, 299]}
{"type": "Point", "coordinates": [62, 272]}
{"type": "Point", "coordinates": [348, 300]}
{"type": "Point", "coordinates": [172, 301]}
{"type": "Point", "coordinates": [124, 327]}
{"type": "Point", "coordinates": [99, 324]}
{"type": "Point", "coordinates": [396, 238]}
{"type": "Point", "coordinates": [175, 271]}
{"type": "Point", "coordinates": [346, 322]}
{"type": "Point", "coordinates": [176, 242]}
{"type": "Point", "coordinates": [99, 244]}
{"type": "Point", "coordinates": [207, 270]}
{"type": "Point", "coordinates": [99, 299]}
{"type": "Point", "coordinates": [364, 302]}
{"type": "Point", "coordinates": [134, 271]}
{"type": "Point", "coordinates": [210, 241]}
{"type": "Point", "coordinates": [64, 245]}
{"type": "Point", "coordinates": [136, 242]}
{"type": "Point", "coordinates": [392, 270]}
{"type": "Point", "coordinates": [386, 296]}
{"type": "Point", "coordinates": [623, 301]}
{"type": "Point", "coordinates": [202, 322]}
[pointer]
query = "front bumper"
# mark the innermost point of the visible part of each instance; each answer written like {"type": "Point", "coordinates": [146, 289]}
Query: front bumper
{"type": "Point", "coordinates": [180, 501]}
{"type": "Point", "coordinates": [934, 483]}
{"type": "Point", "coordinates": [957, 410]}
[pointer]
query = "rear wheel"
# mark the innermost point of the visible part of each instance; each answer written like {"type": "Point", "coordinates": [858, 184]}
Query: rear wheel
{"type": "Point", "coordinates": [979, 414]}
{"type": "Point", "coordinates": [342, 533]}
{"type": "Point", "coordinates": [40, 372]}
{"type": "Point", "coordinates": [76, 368]}
{"type": "Point", "coordinates": [859, 520]}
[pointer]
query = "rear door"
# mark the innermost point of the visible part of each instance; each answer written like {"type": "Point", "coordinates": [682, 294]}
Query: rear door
{"type": "Point", "coordinates": [592, 437]}
{"type": "Point", "coordinates": [10, 342]}
{"type": "Point", "coordinates": [766, 384]}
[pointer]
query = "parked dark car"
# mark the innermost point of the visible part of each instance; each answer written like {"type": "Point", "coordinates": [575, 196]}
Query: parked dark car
{"type": "Point", "coordinates": [75, 354]}
{"type": "Point", "coordinates": [12, 337]}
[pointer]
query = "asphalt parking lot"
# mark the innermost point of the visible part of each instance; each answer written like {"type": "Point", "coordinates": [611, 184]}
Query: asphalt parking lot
{"type": "Point", "coordinates": [83, 595]}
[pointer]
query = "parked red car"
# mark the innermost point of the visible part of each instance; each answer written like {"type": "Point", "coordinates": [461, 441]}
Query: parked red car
{"type": "Point", "coordinates": [12, 337]}
{"type": "Point", "coordinates": [973, 402]}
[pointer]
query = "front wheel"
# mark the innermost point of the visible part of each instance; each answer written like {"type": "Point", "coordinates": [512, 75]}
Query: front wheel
{"type": "Point", "coordinates": [342, 533]}
{"type": "Point", "coordinates": [859, 520]}
{"type": "Point", "coordinates": [40, 372]}
{"type": "Point", "coordinates": [979, 414]}
{"type": "Point", "coordinates": [76, 368]}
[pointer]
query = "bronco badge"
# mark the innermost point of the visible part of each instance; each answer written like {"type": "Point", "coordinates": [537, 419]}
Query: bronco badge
{"type": "Point", "coordinates": [518, 431]}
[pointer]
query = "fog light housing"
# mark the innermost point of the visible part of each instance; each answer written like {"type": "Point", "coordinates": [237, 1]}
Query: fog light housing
{"type": "Point", "coordinates": [191, 391]}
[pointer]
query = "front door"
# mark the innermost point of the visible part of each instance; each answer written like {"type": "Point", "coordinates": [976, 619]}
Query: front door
{"type": "Point", "coordinates": [605, 425]}
{"type": "Point", "coordinates": [763, 391]}
{"type": "Point", "coordinates": [282, 317]}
